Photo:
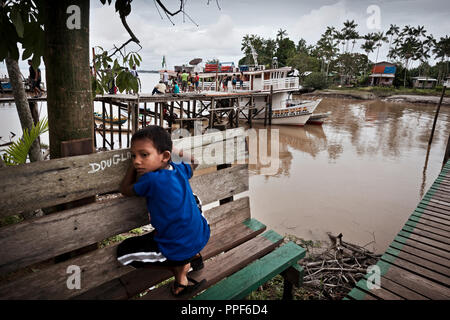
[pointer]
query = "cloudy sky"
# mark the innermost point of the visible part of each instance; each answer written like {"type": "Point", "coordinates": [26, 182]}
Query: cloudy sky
{"type": "Point", "coordinates": [220, 31]}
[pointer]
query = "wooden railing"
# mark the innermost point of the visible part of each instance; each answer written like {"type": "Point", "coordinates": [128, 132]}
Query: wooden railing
{"type": "Point", "coordinates": [281, 83]}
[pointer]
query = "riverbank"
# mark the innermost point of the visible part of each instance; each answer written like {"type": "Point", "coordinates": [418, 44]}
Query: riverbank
{"type": "Point", "coordinates": [331, 270]}
{"type": "Point", "coordinates": [408, 96]}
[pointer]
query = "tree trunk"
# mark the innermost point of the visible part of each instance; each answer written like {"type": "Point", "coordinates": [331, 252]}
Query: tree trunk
{"type": "Point", "coordinates": [23, 108]}
{"type": "Point", "coordinates": [404, 79]}
{"type": "Point", "coordinates": [66, 55]}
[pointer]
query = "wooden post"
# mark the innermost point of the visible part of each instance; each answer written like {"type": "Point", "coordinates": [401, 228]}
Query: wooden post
{"type": "Point", "coordinates": [128, 125]}
{"type": "Point", "coordinates": [181, 114]}
{"type": "Point", "coordinates": [188, 113]}
{"type": "Point", "coordinates": [120, 128]}
{"type": "Point", "coordinates": [266, 108]}
{"type": "Point", "coordinates": [111, 127]}
{"type": "Point", "coordinates": [270, 105]}
{"type": "Point", "coordinates": [447, 152]}
{"type": "Point", "coordinates": [250, 111]}
{"type": "Point", "coordinates": [211, 113]}
{"type": "Point", "coordinates": [161, 115]}
{"type": "Point", "coordinates": [103, 121]}
{"type": "Point", "coordinates": [194, 109]}
{"type": "Point", "coordinates": [436, 115]}
{"type": "Point", "coordinates": [155, 115]}
{"type": "Point", "coordinates": [237, 111]}
{"type": "Point", "coordinates": [171, 116]}
{"type": "Point", "coordinates": [144, 124]}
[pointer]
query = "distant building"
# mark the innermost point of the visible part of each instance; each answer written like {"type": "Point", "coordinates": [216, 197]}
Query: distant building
{"type": "Point", "coordinates": [383, 74]}
{"type": "Point", "coordinates": [424, 82]}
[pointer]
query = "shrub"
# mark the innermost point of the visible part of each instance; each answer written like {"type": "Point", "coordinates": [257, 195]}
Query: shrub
{"type": "Point", "coordinates": [316, 80]}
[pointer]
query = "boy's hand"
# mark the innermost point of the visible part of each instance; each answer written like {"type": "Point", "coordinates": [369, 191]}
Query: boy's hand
{"type": "Point", "coordinates": [126, 186]}
{"type": "Point", "coordinates": [188, 158]}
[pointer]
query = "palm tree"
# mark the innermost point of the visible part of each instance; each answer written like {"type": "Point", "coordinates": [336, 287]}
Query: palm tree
{"type": "Point", "coordinates": [407, 44]}
{"type": "Point", "coordinates": [349, 32]}
{"type": "Point", "coordinates": [368, 46]}
{"type": "Point", "coordinates": [427, 45]}
{"type": "Point", "coordinates": [393, 30]}
{"type": "Point", "coordinates": [354, 36]}
{"type": "Point", "coordinates": [379, 38]}
{"type": "Point", "coordinates": [442, 51]}
{"type": "Point", "coordinates": [339, 36]}
{"type": "Point", "coordinates": [281, 33]}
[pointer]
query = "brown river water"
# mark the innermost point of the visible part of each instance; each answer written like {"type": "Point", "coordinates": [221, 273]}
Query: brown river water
{"type": "Point", "coordinates": [361, 173]}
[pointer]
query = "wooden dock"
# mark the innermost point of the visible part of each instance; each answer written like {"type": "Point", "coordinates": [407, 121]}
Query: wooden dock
{"type": "Point", "coordinates": [219, 110]}
{"type": "Point", "coordinates": [416, 265]}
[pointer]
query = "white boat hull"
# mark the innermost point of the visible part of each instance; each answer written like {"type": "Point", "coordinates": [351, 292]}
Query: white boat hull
{"type": "Point", "coordinates": [296, 115]}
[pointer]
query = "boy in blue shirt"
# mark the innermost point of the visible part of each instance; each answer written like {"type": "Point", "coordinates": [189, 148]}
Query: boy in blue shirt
{"type": "Point", "coordinates": [181, 230]}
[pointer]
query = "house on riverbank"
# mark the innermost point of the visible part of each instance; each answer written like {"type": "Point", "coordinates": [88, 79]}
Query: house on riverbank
{"type": "Point", "coordinates": [424, 82]}
{"type": "Point", "coordinates": [383, 74]}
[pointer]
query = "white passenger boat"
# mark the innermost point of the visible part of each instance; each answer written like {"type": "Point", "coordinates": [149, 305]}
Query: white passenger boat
{"type": "Point", "coordinates": [259, 81]}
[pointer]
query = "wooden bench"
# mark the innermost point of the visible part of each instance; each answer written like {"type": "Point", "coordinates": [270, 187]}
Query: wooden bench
{"type": "Point", "coordinates": [240, 255]}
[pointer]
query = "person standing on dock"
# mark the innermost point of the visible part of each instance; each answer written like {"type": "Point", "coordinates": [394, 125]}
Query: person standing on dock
{"type": "Point", "coordinates": [112, 81]}
{"type": "Point", "coordinates": [166, 77]}
{"type": "Point", "coordinates": [184, 80]}
{"type": "Point", "coordinates": [35, 80]}
{"type": "Point", "coordinates": [241, 80]}
{"type": "Point", "coordinates": [136, 75]}
{"type": "Point", "coordinates": [196, 82]}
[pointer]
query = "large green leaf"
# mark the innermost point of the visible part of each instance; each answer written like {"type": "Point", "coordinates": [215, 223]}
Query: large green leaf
{"type": "Point", "coordinates": [17, 153]}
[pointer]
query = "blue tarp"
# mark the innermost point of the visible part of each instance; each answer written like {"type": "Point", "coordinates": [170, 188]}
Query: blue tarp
{"type": "Point", "coordinates": [6, 85]}
{"type": "Point", "coordinates": [389, 70]}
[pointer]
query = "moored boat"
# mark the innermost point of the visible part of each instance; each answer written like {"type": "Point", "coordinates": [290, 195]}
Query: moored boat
{"type": "Point", "coordinates": [296, 113]}
{"type": "Point", "coordinates": [114, 120]}
{"type": "Point", "coordinates": [318, 118]}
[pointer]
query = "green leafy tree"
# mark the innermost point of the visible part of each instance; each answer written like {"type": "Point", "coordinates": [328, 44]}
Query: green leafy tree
{"type": "Point", "coordinates": [441, 51]}
{"type": "Point", "coordinates": [285, 48]}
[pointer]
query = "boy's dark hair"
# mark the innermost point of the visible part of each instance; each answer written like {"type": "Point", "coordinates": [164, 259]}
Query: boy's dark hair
{"type": "Point", "coordinates": [158, 135]}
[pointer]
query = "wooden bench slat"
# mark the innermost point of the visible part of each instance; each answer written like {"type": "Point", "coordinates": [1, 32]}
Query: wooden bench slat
{"type": "Point", "coordinates": [48, 183]}
{"type": "Point", "coordinates": [248, 279]}
{"type": "Point", "coordinates": [225, 264]}
{"type": "Point", "coordinates": [78, 227]}
{"type": "Point", "coordinates": [139, 280]}
{"type": "Point", "coordinates": [38, 239]}
{"type": "Point", "coordinates": [101, 266]}
{"type": "Point", "coordinates": [221, 184]}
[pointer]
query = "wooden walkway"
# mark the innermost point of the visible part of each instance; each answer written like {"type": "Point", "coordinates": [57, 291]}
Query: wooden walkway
{"type": "Point", "coordinates": [416, 264]}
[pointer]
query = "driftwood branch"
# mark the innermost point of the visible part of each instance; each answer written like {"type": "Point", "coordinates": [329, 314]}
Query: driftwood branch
{"type": "Point", "coordinates": [335, 271]}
